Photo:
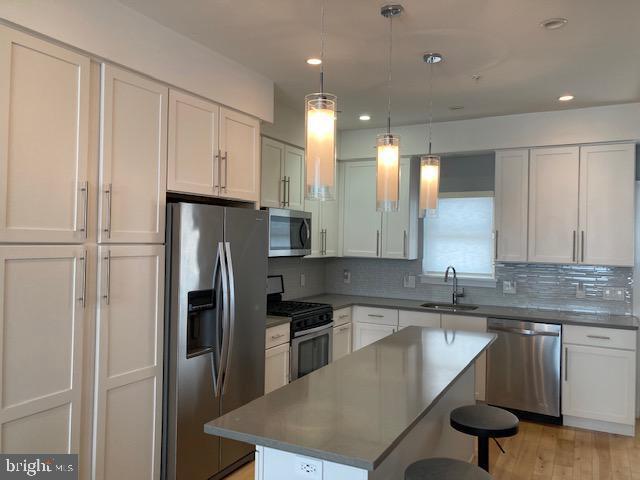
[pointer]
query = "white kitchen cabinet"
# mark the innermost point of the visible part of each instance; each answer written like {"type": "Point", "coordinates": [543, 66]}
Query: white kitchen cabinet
{"type": "Point", "coordinates": [599, 385]}
{"type": "Point", "coordinates": [607, 209]}
{"type": "Point", "coordinates": [44, 133]}
{"type": "Point", "coordinates": [42, 315]}
{"type": "Point", "coordinates": [324, 227]}
{"type": "Point", "coordinates": [471, 324]}
{"type": "Point", "coordinates": [362, 223]}
{"type": "Point", "coordinates": [293, 172]}
{"type": "Point", "coordinates": [239, 140]}
{"type": "Point", "coordinates": [342, 341]}
{"type": "Point", "coordinates": [367, 333]}
{"type": "Point", "coordinates": [411, 318]}
{"type": "Point", "coordinates": [276, 367]}
{"type": "Point", "coordinates": [553, 204]}
{"type": "Point", "coordinates": [133, 159]}
{"type": "Point", "coordinates": [399, 229]}
{"type": "Point", "coordinates": [193, 152]}
{"type": "Point", "coordinates": [511, 205]}
{"type": "Point", "coordinates": [342, 316]}
{"type": "Point", "coordinates": [129, 362]}
{"type": "Point", "coordinates": [282, 181]}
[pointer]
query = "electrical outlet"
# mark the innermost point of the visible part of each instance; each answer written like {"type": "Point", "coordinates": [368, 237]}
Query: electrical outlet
{"type": "Point", "coordinates": [615, 294]}
{"type": "Point", "coordinates": [303, 280]}
{"type": "Point", "coordinates": [509, 287]}
{"type": "Point", "coordinates": [308, 468]}
{"type": "Point", "coordinates": [580, 290]}
{"type": "Point", "coordinates": [409, 281]}
{"type": "Point", "coordinates": [346, 276]}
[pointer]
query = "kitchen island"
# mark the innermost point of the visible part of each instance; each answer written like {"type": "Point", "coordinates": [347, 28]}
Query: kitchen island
{"type": "Point", "coordinates": [365, 416]}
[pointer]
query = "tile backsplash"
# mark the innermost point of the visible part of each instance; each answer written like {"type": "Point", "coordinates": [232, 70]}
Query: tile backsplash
{"type": "Point", "coordinates": [291, 268]}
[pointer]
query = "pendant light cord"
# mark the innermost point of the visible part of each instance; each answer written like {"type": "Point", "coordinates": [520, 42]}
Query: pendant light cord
{"type": "Point", "coordinates": [322, 48]}
{"type": "Point", "coordinates": [430, 120]}
{"type": "Point", "coordinates": [389, 78]}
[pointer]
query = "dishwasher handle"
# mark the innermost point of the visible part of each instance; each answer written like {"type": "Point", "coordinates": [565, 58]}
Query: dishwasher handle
{"type": "Point", "coordinates": [525, 332]}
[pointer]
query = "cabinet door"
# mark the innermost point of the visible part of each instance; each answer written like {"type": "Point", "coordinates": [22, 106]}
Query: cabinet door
{"type": "Point", "coordinates": [133, 160]}
{"type": "Point", "coordinates": [330, 225]}
{"type": "Point", "coordinates": [240, 146]}
{"type": "Point", "coordinates": [314, 207]}
{"type": "Point", "coordinates": [293, 171]}
{"type": "Point", "coordinates": [607, 204]}
{"type": "Point", "coordinates": [129, 362]}
{"type": "Point", "coordinates": [599, 384]}
{"type": "Point", "coordinates": [341, 341]}
{"type": "Point", "coordinates": [44, 132]}
{"type": "Point", "coordinates": [276, 367]}
{"type": "Point", "coordinates": [471, 324]}
{"type": "Point", "coordinates": [368, 333]}
{"type": "Point", "coordinates": [193, 155]}
{"type": "Point", "coordinates": [409, 318]}
{"type": "Point", "coordinates": [395, 225]}
{"type": "Point", "coordinates": [42, 307]}
{"type": "Point", "coordinates": [362, 223]}
{"type": "Point", "coordinates": [272, 180]}
{"type": "Point", "coordinates": [553, 204]}
{"type": "Point", "coordinates": [511, 204]}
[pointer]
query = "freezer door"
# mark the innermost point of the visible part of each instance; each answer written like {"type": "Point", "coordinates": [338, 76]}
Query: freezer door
{"type": "Point", "coordinates": [247, 244]}
{"type": "Point", "coordinates": [194, 324]}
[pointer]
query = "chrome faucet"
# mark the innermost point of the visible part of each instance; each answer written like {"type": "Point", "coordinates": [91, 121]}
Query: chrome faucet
{"type": "Point", "coordinates": [455, 294]}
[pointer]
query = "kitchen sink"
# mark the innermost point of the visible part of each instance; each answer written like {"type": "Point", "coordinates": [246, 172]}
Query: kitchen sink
{"type": "Point", "coordinates": [448, 306]}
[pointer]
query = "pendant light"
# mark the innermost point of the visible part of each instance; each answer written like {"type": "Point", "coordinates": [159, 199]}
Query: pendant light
{"type": "Point", "coordinates": [430, 164]}
{"type": "Point", "coordinates": [320, 134]}
{"type": "Point", "coordinates": [387, 144]}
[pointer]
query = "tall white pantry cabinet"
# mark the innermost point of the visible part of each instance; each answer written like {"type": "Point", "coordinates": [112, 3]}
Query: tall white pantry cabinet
{"type": "Point", "coordinates": [83, 152]}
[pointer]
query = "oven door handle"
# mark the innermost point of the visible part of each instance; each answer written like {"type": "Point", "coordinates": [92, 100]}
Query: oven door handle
{"type": "Point", "coordinates": [326, 326]}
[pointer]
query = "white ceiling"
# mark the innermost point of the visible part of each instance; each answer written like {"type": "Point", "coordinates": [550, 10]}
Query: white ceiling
{"type": "Point", "coordinates": [524, 67]}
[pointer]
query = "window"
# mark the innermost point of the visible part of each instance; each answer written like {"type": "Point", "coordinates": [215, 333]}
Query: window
{"type": "Point", "coordinates": [461, 235]}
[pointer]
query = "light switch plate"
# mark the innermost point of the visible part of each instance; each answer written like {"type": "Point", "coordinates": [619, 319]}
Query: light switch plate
{"type": "Point", "coordinates": [509, 287]}
{"type": "Point", "coordinates": [580, 291]}
{"type": "Point", "coordinates": [615, 294]}
{"type": "Point", "coordinates": [409, 281]}
{"type": "Point", "coordinates": [346, 276]}
{"type": "Point", "coordinates": [303, 280]}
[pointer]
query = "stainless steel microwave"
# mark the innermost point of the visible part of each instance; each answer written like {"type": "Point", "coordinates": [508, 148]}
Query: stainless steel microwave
{"type": "Point", "coordinates": [289, 233]}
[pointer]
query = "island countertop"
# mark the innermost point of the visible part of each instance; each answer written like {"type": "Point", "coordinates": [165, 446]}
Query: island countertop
{"type": "Point", "coordinates": [357, 409]}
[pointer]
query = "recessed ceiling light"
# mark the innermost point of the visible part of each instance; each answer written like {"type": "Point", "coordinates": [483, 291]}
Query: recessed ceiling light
{"type": "Point", "coordinates": [314, 61]}
{"type": "Point", "coordinates": [432, 57]}
{"type": "Point", "coordinates": [566, 98]}
{"type": "Point", "coordinates": [554, 23]}
{"type": "Point", "coordinates": [364, 117]}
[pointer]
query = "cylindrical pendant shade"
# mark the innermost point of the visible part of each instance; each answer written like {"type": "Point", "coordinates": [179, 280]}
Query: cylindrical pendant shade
{"type": "Point", "coordinates": [429, 184]}
{"type": "Point", "coordinates": [388, 172]}
{"type": "Point", "coordinates": [320, 133]}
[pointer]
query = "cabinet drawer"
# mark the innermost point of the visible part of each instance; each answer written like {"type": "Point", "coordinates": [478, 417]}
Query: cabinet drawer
{"type": "Point", "coordinates": [380, 316]}
{"type": "Point", "coordinates": [342, 316]}
{"type": "Point", "coordinates": [409, 318]}
{"type": "Point", "coordinates": [600, 337]}
{"type": "Point", "coordinates": [278, 335]}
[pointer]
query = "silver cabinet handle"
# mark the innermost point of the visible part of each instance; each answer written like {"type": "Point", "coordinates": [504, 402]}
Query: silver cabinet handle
{"type": "Point", "coordinates": [107, 294]}
{"type": "Point", "coordinates": [599, 337]}
{"type": "Point", "coordinates": [288, 191]}
{"type": "Point", "coordinates": [216, 163]}
{"type": "Point", "coordinates": [566, 364]}
{"type": "Point", "coordinates": [284, 191]}
{"type": "Point", "coordinates": [84, 189]}
{"type": "Point", "coordinates": [275, 337]}
{"type": "Point", "coordinates": [404, 244]}
{"type": "Point", "coordinates": [343, 316]}
{"type": "Point", "coordinates": [377, 243]}
{"type": "Point", "coordinates": [496, 246]}
{"type": "Point", "coordinates": [83, 295]}
{"type": "Point", "coordinates": [226, 170]}
{"type": "Point", "coordinates": [108, 191]}
{"type": "Point", "coordinates": [374, 315]}
{"type": "Point", "coordinates": [582, 244]}
{"type": "Point", "coordinates": [345, 328]}
{"type": "Point", "coordinates": [573, 253]}
{"type": "Point", "coordinates": [324, 241]}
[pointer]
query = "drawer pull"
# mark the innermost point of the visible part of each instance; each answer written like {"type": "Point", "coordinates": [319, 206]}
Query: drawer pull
{"type": "Point", "coordinates": [346, 315]}
{"type": "Point", "coordinates": [599, 337]}
{"type": "Point", "coordinates": [275, 337]}
{"type": "Point", "coordinates": [343, 329]}
{"type": "Point", "coordinates": [375, 315]}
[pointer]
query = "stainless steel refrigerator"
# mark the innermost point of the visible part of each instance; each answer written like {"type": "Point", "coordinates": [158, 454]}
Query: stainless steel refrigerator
{"type": "Point", "coordinates": [216, 304]}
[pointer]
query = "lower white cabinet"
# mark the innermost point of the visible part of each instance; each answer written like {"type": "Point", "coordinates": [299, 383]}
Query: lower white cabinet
{"type": "Point", "coordinates": [471, 324]}
{"type": "Point", "coordinates": [341, 341]}
{"type": "Point", "coordinates": [42, 312]}
{"type": "Point", "coordinates": [129, 362]}
{"type": "Point", "coordinates": [410, 318]}
{"type": "Point", "coordinates": [368, 333]}
{"type": "Point", "coordinates": [276, 367]}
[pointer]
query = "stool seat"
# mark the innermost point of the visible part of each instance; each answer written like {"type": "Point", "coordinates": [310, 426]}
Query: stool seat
{"type": "Point", "coordinates": [484, 421]}
{"type": "Point", "coordinates": [444, 469]}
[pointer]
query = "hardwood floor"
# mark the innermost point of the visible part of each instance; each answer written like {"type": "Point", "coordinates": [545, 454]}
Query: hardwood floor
{"type": "Point", "coordinates": [555, 453]}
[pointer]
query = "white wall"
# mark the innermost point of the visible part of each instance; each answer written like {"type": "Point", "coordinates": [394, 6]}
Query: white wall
{"type": "Point", "coordinates": [114, 32]}
{"type": "Point", "coordinates": [636, 289]}
{"type": "Point", "coordinates": [586, 125]}
{"type": "Point", "coordinates": [288, 125]}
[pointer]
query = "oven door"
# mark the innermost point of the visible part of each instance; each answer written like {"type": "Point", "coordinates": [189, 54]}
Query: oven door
{"type": "Point", "coordinates": [311, 351]}
{"type": "Point", "coordinates": [289, 233]}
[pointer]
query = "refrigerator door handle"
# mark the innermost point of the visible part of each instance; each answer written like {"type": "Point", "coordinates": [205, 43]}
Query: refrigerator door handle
{"type": "Point", "coordinates": [231, 314]}
{"type": "Point", "coordinates": [225, 318]}
{"type": "Point", "coordinates": [216, 355]}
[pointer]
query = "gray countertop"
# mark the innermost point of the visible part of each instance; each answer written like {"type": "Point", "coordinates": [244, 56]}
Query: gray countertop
{"type": "Point", "coordinates": [273, 321]}
{"type": "Point", "coordinates": [627, 322]}
{"type": "Point", "coordinates": [357, 409]}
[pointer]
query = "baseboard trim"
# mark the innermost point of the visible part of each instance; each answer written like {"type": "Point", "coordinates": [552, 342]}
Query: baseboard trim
{"type": "Point", "coordinates": [600, 426]}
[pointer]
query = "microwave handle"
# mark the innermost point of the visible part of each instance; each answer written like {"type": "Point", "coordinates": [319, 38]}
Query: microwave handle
{"type": "Point", "coordinates": [304, 237]}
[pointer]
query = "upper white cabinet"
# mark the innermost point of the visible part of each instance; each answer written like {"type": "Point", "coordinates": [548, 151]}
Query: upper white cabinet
{"type": "Point", "coordinates": [128, 413]}
{"type": "Point", "coordinates": [607, 208]}
{"type": "Point", "coordinates": [511, 205]}
{"type": "Point", "coordinates": [213, 151]}
{"type": "Point", "coordinates": [282, 181]}
{"type": "Point", "coordinates": [239, 142]}
{"type": "Point", "coordinates": [44, 131]}
{"type": "Point", "coordinates": [399, 229]}
{"type": "Point", "coordinates": [42, 310]}
{"type": "Point", "coordinates": [553, 204]}
{"type": "Point", "coordinates": [193, 145]}
{"type": "Point", "coordinates": [324, 227]}
{"type": "Point", "coordinates": [133, 160]}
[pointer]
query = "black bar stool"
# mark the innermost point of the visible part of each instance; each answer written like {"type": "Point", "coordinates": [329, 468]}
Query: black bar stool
{"type": "Point", "coordinates": [444, 469]}
{"type": "Point", "coordinates": [484, 422]}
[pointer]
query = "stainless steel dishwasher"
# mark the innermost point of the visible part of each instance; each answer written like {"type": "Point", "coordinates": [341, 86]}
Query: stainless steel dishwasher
{"type": "Point", "coordinates": [523, 366]}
